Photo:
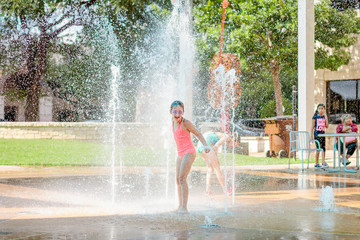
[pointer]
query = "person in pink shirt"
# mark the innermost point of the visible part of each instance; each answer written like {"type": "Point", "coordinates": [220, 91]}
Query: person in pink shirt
{"type": "Point", "coordinates": [186, 151]}
{"type": "Point", "coordinates": [347, 126]}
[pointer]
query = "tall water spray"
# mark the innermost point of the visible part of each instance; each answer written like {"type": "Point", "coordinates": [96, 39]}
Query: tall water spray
{"type": "Point", "coordinates": [113, 109]}
{"type": "Point", "coordinates": [165, 60]}
{"type": "Point", "coordinates": [167, 65]}
{"type": "Point", "coordinates": [186, 52]}
{"type": "Point", "coordinates": [225, 79]}
{"type": "Point", "coordinates": [106, 41]}
{"type": "Point", "coordinates": [224, 91]}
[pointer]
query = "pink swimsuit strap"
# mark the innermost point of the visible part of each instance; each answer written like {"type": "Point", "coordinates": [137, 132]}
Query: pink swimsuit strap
{"type": "Point", "coordinates": [183, 141]}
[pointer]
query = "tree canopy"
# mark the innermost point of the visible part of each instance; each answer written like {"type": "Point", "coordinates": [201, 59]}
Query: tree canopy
{"type": "Point", "coordinates": [263, 33]}
{"type": "Point", "coordinates": [28, 30]}
{"type": "Point", "coordinates": [334, 31]}
{"type": "Point", "coordinates": [36, 48]}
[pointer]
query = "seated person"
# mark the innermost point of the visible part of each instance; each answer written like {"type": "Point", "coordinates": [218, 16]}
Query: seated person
{"type": "Point", "coordinates": [347, 126]}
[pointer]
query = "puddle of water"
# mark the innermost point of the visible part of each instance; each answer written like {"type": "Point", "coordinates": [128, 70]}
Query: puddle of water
{"type": "Point", "coordinates": [209, 225]}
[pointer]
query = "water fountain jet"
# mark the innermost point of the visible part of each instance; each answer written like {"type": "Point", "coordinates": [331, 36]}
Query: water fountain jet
{"type": "Point", "coordinates": [113, 106]}
{"type": "Point", "coordinates": [208, 223]}
{"type": "Point", "coordinates": [327, 199]}
{"type": "Point", "coordinates": [224, 91]}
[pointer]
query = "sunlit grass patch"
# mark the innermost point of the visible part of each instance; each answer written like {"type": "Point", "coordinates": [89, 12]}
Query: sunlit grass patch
{"type": "Point", "coordinates": [81, 153]}
{"type": "Point", "coordinates": [66, 152]}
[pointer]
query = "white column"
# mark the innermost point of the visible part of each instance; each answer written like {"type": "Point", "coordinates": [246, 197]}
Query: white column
{"type": "Point", "coordinates": [305, 64]}
{"type": "Point", "coordinates": [2, 107]}
{"type": "Point", "coordinates": [45, 109]}
{"type": "Point", "coordinates": [21, 113]}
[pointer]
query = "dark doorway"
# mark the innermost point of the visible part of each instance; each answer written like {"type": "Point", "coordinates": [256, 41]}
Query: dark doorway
{"type": "Point", "coordinates": [10, 113]}
{"type": "Point", "coordinates": [342, 97]}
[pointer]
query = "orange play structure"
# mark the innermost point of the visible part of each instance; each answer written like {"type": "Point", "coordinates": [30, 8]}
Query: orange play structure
{"type": "Point", "coordinates": [226, 95]}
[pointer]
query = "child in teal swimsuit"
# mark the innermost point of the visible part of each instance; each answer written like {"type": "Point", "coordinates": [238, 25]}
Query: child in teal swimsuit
{"type": "Point", "coordinates": [211, 139]}
{"type": "Point", "coordinates": [215, 141]}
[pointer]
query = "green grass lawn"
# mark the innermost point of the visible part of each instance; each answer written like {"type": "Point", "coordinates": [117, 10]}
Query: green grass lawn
{"type": "Point", "coordinates": [81, 153]}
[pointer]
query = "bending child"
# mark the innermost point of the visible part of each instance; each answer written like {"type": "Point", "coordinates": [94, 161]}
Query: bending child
{"type": "Point", "coordinates": [215, 140]}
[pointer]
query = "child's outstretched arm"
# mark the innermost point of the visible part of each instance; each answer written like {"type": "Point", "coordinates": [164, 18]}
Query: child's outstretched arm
{"type": "Point", "coordinates": [191, 128]}
{"type": "Point", "coordinates": [220, 142]}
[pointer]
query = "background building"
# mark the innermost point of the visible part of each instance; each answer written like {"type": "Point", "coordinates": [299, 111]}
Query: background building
{"type": "Point", "coordinates": [12, 107]}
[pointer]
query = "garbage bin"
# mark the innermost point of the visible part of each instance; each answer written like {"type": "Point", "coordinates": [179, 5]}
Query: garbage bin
{"type": "Point", "coordinates": [278, 129]}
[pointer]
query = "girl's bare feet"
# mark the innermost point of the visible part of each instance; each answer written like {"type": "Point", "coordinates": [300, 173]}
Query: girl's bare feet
{"type": "Point", "coordinates": [176, 209]}
{"type": "Point", "coordinates": [182, 210]}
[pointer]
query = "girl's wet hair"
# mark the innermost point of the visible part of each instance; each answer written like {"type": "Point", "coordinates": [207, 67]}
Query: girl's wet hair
{"type": "Point", "coordinates": [176, 103]}
{"type": "Point", "coordinates": [320, 105]}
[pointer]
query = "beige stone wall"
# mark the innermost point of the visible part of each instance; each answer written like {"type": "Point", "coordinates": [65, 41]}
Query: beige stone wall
{"type": "Point", "coordinates": [131, 134]}
{"type": "Point", "coordinates": [256, 144]}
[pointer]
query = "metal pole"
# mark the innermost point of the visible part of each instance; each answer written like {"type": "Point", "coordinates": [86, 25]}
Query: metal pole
{"type": "Point", "coordinates": [225, 4]}
{"type": "Point", "coordinates": [294, 95]}
{"type": "Point", "coordinates": [294, 92]}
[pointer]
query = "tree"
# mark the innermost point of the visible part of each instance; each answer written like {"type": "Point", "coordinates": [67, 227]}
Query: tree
{"type": "Point", "coordinates": [79, 72]}
{"type": "Point", "coordinates": [334, 31]}
{"type": "Point", "coordinates": [28, 29]}
{"type": "Point", "coordinates": [133, 21]}
{"type": "Point", "coordinates": [84, 61]}
{"type": "Point", "coordinates": [264, 34]}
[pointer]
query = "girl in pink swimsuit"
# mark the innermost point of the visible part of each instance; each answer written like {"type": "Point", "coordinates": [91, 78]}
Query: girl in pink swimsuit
{"type": "Point", "coordinates": [186, 151]}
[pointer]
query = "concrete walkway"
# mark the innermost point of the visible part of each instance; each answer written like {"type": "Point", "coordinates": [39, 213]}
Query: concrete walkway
{"type": "Point", "coordinates": [270, 202]}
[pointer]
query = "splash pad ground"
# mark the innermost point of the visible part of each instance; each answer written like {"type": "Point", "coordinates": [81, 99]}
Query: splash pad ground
{"type": "Point", "coordinates": [67, 203]}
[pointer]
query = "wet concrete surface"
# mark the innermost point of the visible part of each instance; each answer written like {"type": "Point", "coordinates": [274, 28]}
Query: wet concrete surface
{"type": "Point", "coordinates": [76, 203]}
